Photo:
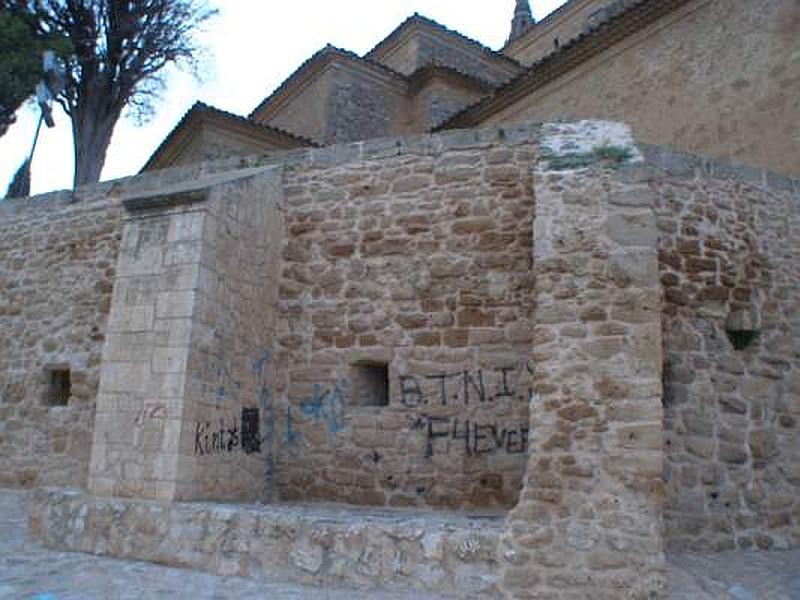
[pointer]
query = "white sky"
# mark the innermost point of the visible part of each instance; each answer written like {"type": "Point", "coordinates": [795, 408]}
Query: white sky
{"type": "Point", "coordinates": [253, 45]}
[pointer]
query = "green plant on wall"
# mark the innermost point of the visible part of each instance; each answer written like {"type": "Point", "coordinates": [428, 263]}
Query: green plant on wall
{"type": "Point", "coordinates": [613, 154]}
{"type": "Point", "coordinates": [609, 155]}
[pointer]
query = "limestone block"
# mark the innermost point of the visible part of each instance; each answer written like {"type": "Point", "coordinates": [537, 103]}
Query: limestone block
{"type": "Point", "coordinates": [632, 229]}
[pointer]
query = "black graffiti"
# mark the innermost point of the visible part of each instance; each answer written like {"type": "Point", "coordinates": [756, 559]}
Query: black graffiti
{"type": "Point", "coordinates": [251, 431]}
{"type": "Point", "coordinates": [478, 438]}
{"type": "Point", "coordinates": [229, 436]}
{"type": "Point", "coordinates": [505, 391]}
{"type": "Point", "coordinates": [466, 387]}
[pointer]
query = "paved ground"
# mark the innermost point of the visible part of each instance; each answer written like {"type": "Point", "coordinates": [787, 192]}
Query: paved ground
{"type": "Point", "coordinates": [736, 576]}
{"type": "Point", "coordinates": [30, 572]}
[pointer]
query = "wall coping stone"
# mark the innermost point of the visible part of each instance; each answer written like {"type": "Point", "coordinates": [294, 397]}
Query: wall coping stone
{"type": "Point", "coordinates": [188, 192]}
{"type": "Point", "coordinates": [156, 183]}
{"type": "Point", "coordinates": [694, 166]}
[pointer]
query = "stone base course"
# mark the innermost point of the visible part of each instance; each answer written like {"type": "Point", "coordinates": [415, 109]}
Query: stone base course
{"type": "Point", "coordinates": [321, 545]}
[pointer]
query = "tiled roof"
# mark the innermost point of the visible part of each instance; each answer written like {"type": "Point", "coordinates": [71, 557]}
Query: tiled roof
{"type": "Point", "coordinates": [200, 109]}
{"type": "Point", "coordinates": [418, 18]}
{"type": "Point", "coordinates": [623, 18]}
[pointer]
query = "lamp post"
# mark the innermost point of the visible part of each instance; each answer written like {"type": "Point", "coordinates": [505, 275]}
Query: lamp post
{"type": "Point", "coordinates": [46, 91]}
{"type": "Point", "coordinates": [51, 85]}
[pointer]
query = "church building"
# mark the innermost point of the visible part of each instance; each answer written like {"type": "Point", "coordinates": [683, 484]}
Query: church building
{"type": "Point", "coordinates": [714, 77]}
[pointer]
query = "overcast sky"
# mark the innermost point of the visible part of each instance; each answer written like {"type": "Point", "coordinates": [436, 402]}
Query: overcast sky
{"type": "Point", "coordinates": [253, 45]}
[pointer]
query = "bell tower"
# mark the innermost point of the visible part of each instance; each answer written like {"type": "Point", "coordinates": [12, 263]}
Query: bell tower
{"type": "Point", "coordinates": [523, 20]}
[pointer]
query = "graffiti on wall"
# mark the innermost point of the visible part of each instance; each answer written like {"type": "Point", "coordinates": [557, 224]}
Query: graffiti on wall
{"type": "Point", "coordinates": [477, 438]}
{"type": "Point", "coordinates": [265, 402]}
{"type": "Point", "coordinates": [465, 388]}
{"type": "Point", "coordinates": [229, 434]}
{"type": "Point", "coordinates": [259, 428]}
{"type": "Point", "coordinates": [326, 406]}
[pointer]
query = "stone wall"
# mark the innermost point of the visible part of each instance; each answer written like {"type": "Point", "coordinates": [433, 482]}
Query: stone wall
{"type": "Point", "coordinates": [463, 57]}
{"type": "Point", "coordinates": [210, 142]}
{"type": "Point", "coordinates": [730, 268]}
{"type": "Point", "coordinates": [184, 366]}
{"type": "Point", "coordinates": [589, 516]}
{"type": "Point", "coordinates": [304, 113]}
{"type": "Point", "coordinates": [58, 257]}
{"type": "Point", "coordinates": [439, 99]}
{"type": "Point", "coordinates": [418, 262]}
{"type": "Point", "coordinates": [232, 343]}
{"type": "Point", "coordinates": [444, 334]}
{"type": "Point", "coordinates": [361, 106]}
{"type": "Point", "coordinates": [440, 321]}
{"type": "Point", "coordinates": [714, 77]}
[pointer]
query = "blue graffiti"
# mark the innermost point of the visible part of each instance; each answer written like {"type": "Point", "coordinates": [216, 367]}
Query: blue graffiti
{"type": "Point", "coordinates": [261, 364]}
{"type": "Point", "coordinates": [326, 406]}
{"type": "Point", "coordinates": [292, 436]}
{"type": "Point", "coordinates": [226, 385]}
{"type": "Point", "coordinates": [268, 412]}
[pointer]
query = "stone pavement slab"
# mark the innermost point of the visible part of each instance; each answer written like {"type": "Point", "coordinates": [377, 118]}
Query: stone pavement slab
{"type": "Point", "coordinates": [735, 576]}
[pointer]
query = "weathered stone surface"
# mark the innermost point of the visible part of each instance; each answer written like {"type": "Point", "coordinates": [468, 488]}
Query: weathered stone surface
{"type": "Point", "coordinates": [57, 264]}
{"type": "Point", "coordinates": [727, 416]}
{"type": "Point", "coordinates": [582, 382]}
{"type": "Point", "coordinates": [416, 552]}
{"type": "Point", "coordinates": [328, 338]}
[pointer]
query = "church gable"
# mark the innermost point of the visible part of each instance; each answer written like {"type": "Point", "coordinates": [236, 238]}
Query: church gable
{"type": "Point", "coordinates": [337, 96]}
{"type": "Point", "coordinates": [420, 41]}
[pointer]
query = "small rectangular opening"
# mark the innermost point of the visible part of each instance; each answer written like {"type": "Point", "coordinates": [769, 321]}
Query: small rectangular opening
{"type": "Point", "coordinates": [59, 386]}
{"type": "Point", "coordinates": [370, 384]}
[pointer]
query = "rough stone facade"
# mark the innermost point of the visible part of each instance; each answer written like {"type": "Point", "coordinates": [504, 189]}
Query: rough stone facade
{"type": "Point", "coordinates": [419, 42]}
{"type": "Point", "coordinates": [589, 347]}
{"type": "Point", "coordinates": [589, 516]}
{"type": "Point", "coordinates": [715, 77]}
{"type": "Point", "coordinates": [411, 259]}
{"type": "Point", "coordinates": [192, 310]}
{"type": "Point", "coordinates": [57, 267]}
{"type": "Point", "coordinates": [730, 269]}
{"type": "Point", "coordinates": [533, 318]}
{"type": "Point", "coordinates": [421, 257]}
{"type": "Point", "coordinates": [419, 263]}
{"type": "Point", "coordinates": [564, 24]}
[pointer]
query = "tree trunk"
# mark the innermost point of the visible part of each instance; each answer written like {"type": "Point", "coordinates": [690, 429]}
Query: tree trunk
{"type": "Point", "coordinates": [93, 125]}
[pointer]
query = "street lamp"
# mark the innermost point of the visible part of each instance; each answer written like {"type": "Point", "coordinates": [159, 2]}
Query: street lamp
{"type": "Point", "coordinates": [51, 85]}
{"type": "Point", "coordinates": [46, 91]}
